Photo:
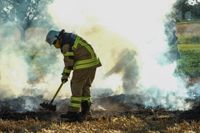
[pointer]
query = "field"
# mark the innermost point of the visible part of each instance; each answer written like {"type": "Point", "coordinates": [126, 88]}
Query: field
{"type": "Point", "coordinates": [110, 115]}
{"type": "Point", "coordinates": [117, 124]}
{"type": "Point", "coordinates": [189, 48]}
{"type": "Point", "coordinates": [189, 62]}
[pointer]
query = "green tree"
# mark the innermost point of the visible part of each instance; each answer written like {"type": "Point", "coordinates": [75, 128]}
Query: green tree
{"type": "Point", "coordinates": [185, 11]}
{"type": "Point", "coordinates": [181, 11]}
{"type": "Point", "coordinates": [25, 13]}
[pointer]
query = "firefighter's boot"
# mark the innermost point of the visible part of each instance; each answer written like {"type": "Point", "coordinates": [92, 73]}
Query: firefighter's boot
{"type": "Point", "coordinates": [71, 117]}
{"type": "Point", "coordinates": [85, 110]}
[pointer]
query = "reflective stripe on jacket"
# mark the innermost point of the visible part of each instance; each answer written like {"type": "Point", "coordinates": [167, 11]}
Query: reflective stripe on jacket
{"type": "Point", "coordinates": [83, 55]}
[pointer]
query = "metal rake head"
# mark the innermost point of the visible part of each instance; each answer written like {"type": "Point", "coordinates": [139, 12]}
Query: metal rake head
{"type": "Point", "coordinates": [48, 106]}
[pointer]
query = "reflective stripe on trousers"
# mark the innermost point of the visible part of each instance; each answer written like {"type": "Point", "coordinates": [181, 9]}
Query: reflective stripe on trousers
{"type": "Point", "coordinates": [75, 102]}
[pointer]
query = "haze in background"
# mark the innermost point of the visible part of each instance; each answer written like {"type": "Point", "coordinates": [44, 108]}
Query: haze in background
{"type": "Point", "coordinates": [137, 26]}
{"type": "Point", "coordinates": [127, 35]}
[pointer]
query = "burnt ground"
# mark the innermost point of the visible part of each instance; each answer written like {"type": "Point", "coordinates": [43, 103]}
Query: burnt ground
{"type": "Point", "coordinates": [110, 113]}
{"type": "Point", "coordinates": [105, 107]}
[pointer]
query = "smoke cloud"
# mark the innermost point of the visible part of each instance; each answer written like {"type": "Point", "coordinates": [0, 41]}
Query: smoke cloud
{"type": "Point", "coordinates": [127, 65]}
{"type": "Point", "coordinates": [27, 67]}
{"type": "Point", "coordinates": [128, 36]}
{"type": "Point", "coordinates": [117, 34]}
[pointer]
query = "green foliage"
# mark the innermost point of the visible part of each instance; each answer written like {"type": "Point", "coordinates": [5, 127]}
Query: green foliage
{"type": "Point", "coordinates": [25, 13]}
{"type": "Point", "coordinates": [181, 11]}
{"type": "Point", "coordinates": [188, 39]}
{"type": "Point", "coordinates": [189, 63]}
{"type": "Point", "coordinates": [189, 48]}
{"type": "Point", "coordinates": [185, 11]}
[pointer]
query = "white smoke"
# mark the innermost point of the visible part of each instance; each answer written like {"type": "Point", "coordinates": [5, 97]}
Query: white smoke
{"type": "Point", "coordinates": [12, 75]}
{"type": "Point", "coordinates": [28, 67]}
{"type": "Point", "coordinates": [112, 26]}
{"type": "Point", "coordinates": [33, 68]}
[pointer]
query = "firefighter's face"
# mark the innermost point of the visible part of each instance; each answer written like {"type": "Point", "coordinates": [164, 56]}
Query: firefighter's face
{"type": "Point", "coordinates": [57, 44]}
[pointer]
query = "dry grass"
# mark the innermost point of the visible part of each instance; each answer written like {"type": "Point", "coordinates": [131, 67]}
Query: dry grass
{"type": "Point", "coordinates": [28, 125]}
{"type": "Point", "coordinates": [188, 28]}
{"type": "Point", "coordinates": [189, 47]}
{"type": "Point", "coordinates": [184, 127]}
{"type": "Point", "coordinates": [117, 124]}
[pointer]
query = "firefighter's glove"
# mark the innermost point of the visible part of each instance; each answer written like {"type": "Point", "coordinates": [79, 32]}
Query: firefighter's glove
{"type": "Point", "coordinates": [64, 78]}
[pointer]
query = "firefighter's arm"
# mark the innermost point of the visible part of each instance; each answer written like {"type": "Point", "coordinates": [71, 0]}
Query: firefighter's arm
{"type": "Point", "coordinates": [68, 62]}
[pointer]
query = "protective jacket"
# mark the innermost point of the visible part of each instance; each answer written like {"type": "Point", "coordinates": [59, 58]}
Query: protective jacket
{"type": "Point", "coordinates": [78, 54]}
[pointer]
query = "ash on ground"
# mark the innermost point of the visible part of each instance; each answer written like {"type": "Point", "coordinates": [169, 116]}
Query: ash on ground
{"type": "Point", "coordinates": [28, 107]}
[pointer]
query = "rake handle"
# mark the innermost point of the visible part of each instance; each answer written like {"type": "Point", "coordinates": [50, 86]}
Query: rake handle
{"type": "Point", "coordinates": [57, 92]}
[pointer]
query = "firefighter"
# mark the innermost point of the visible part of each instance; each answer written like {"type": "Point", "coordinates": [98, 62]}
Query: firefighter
{"type": "Point", "coordinates": [79, 57]}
